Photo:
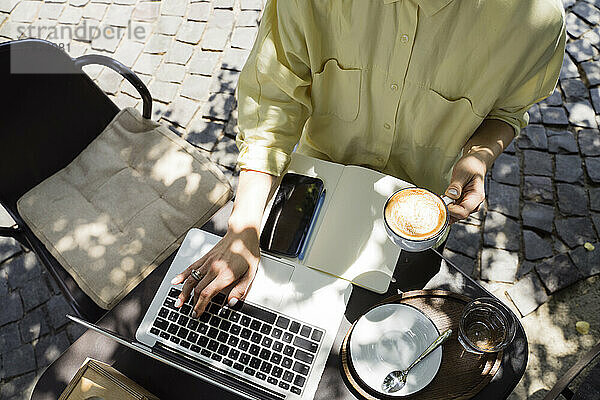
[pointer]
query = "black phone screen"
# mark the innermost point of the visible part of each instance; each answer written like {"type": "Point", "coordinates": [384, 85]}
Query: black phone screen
{"type": "Point", "coordinates": [288, 222]}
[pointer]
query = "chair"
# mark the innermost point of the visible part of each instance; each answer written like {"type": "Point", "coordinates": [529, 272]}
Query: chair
{"type": "Point", "coordinates": [589, 389]}
{"type": "Point", "coordinates": [46, 95]}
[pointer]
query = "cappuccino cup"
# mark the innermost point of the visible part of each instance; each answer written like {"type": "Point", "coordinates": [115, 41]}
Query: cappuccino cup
{"type": "Point", "coordinates": [416, 218]}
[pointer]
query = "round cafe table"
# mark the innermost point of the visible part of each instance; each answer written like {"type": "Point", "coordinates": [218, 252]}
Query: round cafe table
{"type": "Point", "coordinates": [413, 271]}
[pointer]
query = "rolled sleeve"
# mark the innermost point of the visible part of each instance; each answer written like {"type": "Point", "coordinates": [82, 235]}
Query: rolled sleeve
{"type": "Point", "coordinates": [274, 91]}
{"type": "Point", "coordinates": [539, 83]}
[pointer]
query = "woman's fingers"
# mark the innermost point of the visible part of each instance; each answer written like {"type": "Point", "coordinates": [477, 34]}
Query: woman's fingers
{"type": "Point", "coordinates": [203, 296]}
{"type": "Point", "coordinates": [189, 285]}
{"type": "Point", "coordinates": [186, 272]}
{"type": "Point", "coordinates": [239, 291]}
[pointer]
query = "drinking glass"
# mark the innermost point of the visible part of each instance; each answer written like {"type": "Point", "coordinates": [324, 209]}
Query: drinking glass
{"type": "Point", "coordinates": [486, 326]}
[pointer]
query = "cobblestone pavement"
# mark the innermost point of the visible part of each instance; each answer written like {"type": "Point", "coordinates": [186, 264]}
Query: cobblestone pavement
{"type": "Point", "coordinates": [526, 243]}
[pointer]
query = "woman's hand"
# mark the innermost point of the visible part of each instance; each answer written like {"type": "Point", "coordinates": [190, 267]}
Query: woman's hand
{"type": "Point", "coordinates": [481, 150]}
{"type": "Point", "coordinates": [232, 262]}
{"type": "Point", "coordinates": [466, 187]}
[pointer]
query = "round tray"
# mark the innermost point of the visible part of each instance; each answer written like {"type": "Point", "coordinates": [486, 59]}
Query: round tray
{"type": "Point", "coordinates": [461, 374]}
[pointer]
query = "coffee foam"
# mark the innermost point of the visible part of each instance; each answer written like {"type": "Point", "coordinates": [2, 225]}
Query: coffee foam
{"type": "Point", "coordinates": [415, 214]}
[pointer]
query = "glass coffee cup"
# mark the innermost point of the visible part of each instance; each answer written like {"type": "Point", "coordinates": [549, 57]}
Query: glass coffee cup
{"type": "Point", "coordinates": [416, 218]}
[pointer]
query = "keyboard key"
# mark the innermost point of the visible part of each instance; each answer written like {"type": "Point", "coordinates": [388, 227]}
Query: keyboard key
{"type": "Point", "coordinates": [225, 325]}
{"type": "Point", "coordinates": [172, 329]}
{"type": "Point", "coordinates": [300, 368]}
{"type": "Point", "coordinates": [224, 313]}
{"type": "Point", "coordinates": [213, 308]}
{"type": "Point", "coordinates": [244, 345]}
{"type": "Point", "coordinates": [278, 346]}
{"type": "Point", "coordinates": [174, 339]}
{"type": "Point", "coordinates": [161, 323]}
{"type": "Point", "coordinates": [282, 322]}
{"type": "Point", "coordinates": [203, 328]}
{"type": "Point", "coordinates": [287, 337]}
{"type": "Point", "coordinates": [295, 390]}
{"type": "Point", "coordinates": [154, 331]}
{"type": "Point", "coordinates": [317, 335]}
{"type": "Point", "coordinates": [255, 325]}
{"type": "Point", "coordinates": [219, 298]}
{"type": "Point", "coordinates": [261, 376]}
{"type": "Point", "coordinates": [216, 357]}
{"type": "Point", "coordinates": [186, 309]}
{"type": "Point", "coordinates": [164, 335]}
{"type": "Point", "coordinates": [255, 362]}
{"type": "Point", "coordinates": [266, 367]}
{"type": "Point", "coordinates": [173, 316]}
{"type": "Point", "coordinates": [213, 345]}
{"type": "Point", "coordinates": [234, 316]}
{"type": "Point", "coordinates": [183, 332]}
{"type": "Point", "coordinates": [304, 356]}
{"type": "Point", "coordinates": [245, 359]}
{"type": "Point", "coordinates": [265, 329]}
{"type": "Point", "coordinates": [289, 350]}
{"type": "Point", "coordinates": [276, 358]}
{"type": "Point", "coordinates": [254, 350]}
{"type": "Point", "coordinates": [277, 372]}
{"type": "Point", "coordinates": [205, 317]}
{"type": "Point", "coordinates": [183, 320]}
{"type": "Point", "coordinates": [295, 327]}
{"type": "Point", "coordinates": [259, 313]}
{"type": "Point", "coordinates": [212, 333]}
{"type": "Point", "coordinates": [276, 333]}
{"type": "Point", "coordinates": [235, 329]}
{"type": "Point", "coordinates": [246, 333]}
{"type": "Point", "coordinates": [223, 349]}
{"type": "Point", "coordinates": [238, 366]}
{"type": "Point", "coordinates": [228, 362]}
{"type": "Point", "coordinates": [234, 354]}
{"type": "Point", "coordinates": [223, 336]}
{"type": "Point", "coordinates": [245, 321]}
{"type": "Point", "coordinates": [195, 348]}
{"type": "Point", "coordinates": [205, 353]}
{"type": "Point", "coordinates": [288, 376]}
{"type": "Point", "coordinates": [193, 324]}
{"type": "Point", "coordinates": [287, 362]}
{"type": "Point", "coordinates": [299, 381]}
{"type": "Point", "coordinates": [265, 354]}
{"type": "Point", "coordinates": [163, 312]}
{"type": "Point", "coordinates": [283, 385]}
{"type": "Point", "coordinates": [203, 341]}
{"type": "Point", "coordinates": [305, 344]}
{"type": "Point", "coordinates": [249, 371]}
{"type": "Point", "coordinates": [266, 342]}
{"type": "Point", "coordinates": [215, 321]}
{"type": "Point", "coordinates": [256, 337]}
{"type": "Point", "coordinates": [305, 331]}
{"type": "Point", "coordinates": [173, 292]}
{"type": "Point", "coordinates": [192, 337]}
{"type": "Point", "coordinates": [272, 381]}
{"type": "Point", "coordinates": [233, 341]}
{"type": "Point", "coordinates": [185, 344]}
{"type": "Point", "coordinates": [169, 303]}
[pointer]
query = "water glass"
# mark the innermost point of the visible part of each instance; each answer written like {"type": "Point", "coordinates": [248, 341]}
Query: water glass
{"type": "Point", "coordinates": [486, 326]}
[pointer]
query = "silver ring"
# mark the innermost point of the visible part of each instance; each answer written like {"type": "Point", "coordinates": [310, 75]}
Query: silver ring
{"type": "Point", "coordinates": [196, 275]}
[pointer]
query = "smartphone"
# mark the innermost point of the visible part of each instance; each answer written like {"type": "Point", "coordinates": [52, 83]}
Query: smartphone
{"type": "Point", "coordinates": [294, 206]}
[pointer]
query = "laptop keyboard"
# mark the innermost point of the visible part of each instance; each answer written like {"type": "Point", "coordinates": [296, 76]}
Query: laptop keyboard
{"type": "Point", "coordinates": [253, 340]}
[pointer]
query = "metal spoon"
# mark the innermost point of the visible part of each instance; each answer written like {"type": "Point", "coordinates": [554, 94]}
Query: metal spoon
{"type": "Point", "coordinates": [396, 380]}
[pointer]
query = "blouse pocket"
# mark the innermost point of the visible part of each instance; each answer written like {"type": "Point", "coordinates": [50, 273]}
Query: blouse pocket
{"type": "Point", "coordinates": [458, 100]}
{"type": "Point", "coordinates": [336, 91]}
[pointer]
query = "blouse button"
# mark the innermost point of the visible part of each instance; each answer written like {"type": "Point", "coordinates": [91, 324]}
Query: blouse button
{"type": "Point", "coordinates": [404, 38]}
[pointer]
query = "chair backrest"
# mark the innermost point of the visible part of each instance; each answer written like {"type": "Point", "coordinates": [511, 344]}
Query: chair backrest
{"type": "Point", "coordinates": [51, 111]}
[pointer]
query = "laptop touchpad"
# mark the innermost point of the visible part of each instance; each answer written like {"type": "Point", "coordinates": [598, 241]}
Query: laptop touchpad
{"type": "Point", "coordinates": [270, 283]}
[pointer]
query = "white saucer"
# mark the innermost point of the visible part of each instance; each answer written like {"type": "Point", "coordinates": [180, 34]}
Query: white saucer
{"type": "Point", "coordinates": [390, 337]}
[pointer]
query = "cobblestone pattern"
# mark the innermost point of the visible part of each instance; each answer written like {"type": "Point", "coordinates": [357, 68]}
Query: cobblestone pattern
{"type": "Point", "coordinates": [526, 241]}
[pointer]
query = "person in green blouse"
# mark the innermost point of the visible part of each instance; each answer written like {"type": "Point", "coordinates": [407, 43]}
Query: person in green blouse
{"type": "Point", "coordinates": [429, 91]}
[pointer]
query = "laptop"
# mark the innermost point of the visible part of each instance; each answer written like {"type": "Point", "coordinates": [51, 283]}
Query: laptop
{"type": "Point", "coordinates": [274, 345]}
